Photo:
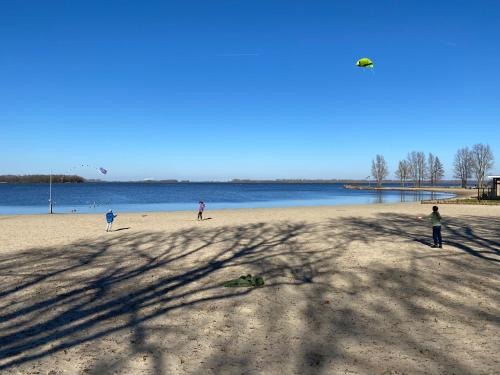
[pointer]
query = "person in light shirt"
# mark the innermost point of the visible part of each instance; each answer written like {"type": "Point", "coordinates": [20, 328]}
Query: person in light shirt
{"type": "Point", "coordinates": [435, 218]}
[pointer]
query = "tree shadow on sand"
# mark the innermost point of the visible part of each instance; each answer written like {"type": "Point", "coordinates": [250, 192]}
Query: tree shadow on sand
{"type": "Point", "coordinates": [154, 295]}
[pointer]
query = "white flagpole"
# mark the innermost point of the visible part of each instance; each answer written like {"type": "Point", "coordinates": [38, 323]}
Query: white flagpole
{"type": "Point", "coordinates": [50, 193]}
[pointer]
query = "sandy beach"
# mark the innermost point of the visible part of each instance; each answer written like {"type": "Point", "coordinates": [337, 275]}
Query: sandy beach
{"type": "Point", "coordinates": [349, 290]}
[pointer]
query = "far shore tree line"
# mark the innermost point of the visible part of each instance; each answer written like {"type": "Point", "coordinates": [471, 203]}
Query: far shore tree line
{"type": "Point", "coordinates": [40, 179]}
{"type": "Point", "coordinates": [417, 168]}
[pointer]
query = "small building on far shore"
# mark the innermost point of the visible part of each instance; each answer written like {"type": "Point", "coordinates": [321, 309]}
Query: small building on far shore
{"type": "Point", "coordinates": [495, 186]}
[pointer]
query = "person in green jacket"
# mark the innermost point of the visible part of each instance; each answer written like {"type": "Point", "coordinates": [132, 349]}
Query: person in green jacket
{"type": "Point", "coordinates": [435, 218]}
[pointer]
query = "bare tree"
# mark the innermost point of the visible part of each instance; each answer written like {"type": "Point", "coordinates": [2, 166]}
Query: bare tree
{"type": "Point", "coordinates": [412, 163]}
{"type": "Point", "coordinates": [431, 160]}
{"type": "Point", "coordinates": [435, 169]}
{"type": "Point", "coordinates": [482, 161]}
{"type": "Point", "coordinates": [462, 165]}
{"type": "Point", "coordinates": [379, 169]}
{"type": "Point", "coordinates": [403, 172]}
{"type": "Point", "coordinates": [438, 170]}
{"type": "Point", "coordinates": [418, 167]}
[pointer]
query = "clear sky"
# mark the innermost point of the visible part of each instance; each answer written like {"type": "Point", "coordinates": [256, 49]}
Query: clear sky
{"type": "Point", "coordinates": [220, 89]}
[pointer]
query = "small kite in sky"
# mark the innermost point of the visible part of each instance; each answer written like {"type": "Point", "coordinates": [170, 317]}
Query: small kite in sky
{"type": "Point", "coordinates": [103, 171]}
{"type": "Point", "coordinates": [365, 62]}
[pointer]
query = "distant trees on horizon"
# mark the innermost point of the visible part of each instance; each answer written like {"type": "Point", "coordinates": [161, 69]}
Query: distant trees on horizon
{"type": "Point", "coordinates": [467, 163]}
{"type": "Point", "coordinates": [40, 178]}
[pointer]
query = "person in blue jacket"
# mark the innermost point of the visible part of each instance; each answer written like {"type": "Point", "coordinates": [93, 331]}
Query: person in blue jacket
{"type": "Point", "coordinates": [110, 216]}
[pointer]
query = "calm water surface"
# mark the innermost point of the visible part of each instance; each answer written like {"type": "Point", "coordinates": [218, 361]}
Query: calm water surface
{"type": "Point", "coordinates": [136, 197]}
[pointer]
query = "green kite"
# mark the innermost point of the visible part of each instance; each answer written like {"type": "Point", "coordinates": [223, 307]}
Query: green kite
{"type": "Point", "coordinates": [365, 62]}
{"type": "Point", "coordinates": [245, 281]}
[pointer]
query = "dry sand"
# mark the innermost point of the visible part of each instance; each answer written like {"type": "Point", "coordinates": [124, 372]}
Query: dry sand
{"type": "Point", "coordinates": [349, 290]}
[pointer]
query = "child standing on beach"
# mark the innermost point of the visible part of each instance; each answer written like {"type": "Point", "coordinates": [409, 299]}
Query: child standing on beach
{"type": "Point", "coordinates": [110, 216]}
{"type": "Point", "coordinates": [201, 208]}
{"type": "Point", "coordinates": [435, 219]}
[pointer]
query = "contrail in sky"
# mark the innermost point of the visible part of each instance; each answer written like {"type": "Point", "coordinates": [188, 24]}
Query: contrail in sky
{"type": "Point", "coordinates": [237, 54]}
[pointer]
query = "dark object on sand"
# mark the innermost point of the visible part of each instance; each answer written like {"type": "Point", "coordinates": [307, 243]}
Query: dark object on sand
{"type": "Point", "coordinates": [245, 281]}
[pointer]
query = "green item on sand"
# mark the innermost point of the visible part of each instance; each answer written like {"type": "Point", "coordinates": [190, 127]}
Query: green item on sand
{"type": "Point", "coordinates": [245, 281]}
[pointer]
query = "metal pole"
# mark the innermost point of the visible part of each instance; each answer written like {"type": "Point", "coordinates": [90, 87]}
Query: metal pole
{"type": "Point", "coordinates": [50, 193]}
{"type": "Point", "coordinates": [368, 178]}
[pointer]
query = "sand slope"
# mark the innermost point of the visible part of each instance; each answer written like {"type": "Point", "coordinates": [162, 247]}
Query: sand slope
{"type": "Point", "coordinates": [349, 290]}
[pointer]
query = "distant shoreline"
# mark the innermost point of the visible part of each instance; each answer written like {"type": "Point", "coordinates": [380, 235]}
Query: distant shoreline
{"type": "Point", "coordinates": [354, 184]}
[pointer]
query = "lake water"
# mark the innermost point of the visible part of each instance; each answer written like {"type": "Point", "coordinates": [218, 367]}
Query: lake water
{"type": "Point", "coordinates": [137, 197]}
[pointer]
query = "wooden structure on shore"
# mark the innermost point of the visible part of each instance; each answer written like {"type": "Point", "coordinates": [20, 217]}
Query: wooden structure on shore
{"type": "Point", "coordinates": [495, 187]}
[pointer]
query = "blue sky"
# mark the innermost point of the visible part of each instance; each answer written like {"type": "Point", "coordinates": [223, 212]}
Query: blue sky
{"type": "Point", "coordinates": [207, 90]}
